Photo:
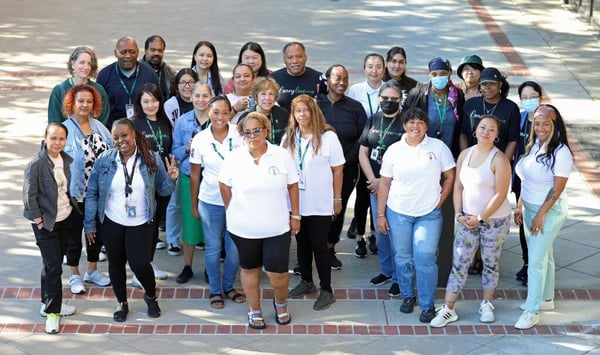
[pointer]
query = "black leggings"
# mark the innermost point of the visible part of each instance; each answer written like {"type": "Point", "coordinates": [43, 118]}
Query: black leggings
{"type": "Point", "coordinates": [129, 244]}
{"type": "Point", "coordinates": [311, 240]}
{"type": "Point", "coordinates": [348, 183]}
{"type": "Point", "coordinates": [522, 240]}
{"type": "Point", "coordinates": [161, 209]}
{"type": "Point", "coordinates": [74, 244]}
{"type": "Point", "coordinates": [362, 205]}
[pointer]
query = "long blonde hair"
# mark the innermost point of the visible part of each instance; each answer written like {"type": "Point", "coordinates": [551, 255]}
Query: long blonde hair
{"type": "Point", "coordinates": [318, 125]}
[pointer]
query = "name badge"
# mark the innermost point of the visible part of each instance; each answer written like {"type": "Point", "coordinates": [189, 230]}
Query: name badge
{"type": "Point", "coordinates": [301, 181]}
{"type": "Point", "coordinates": [129, 110]}
{"type": "Point", "coordinates": [375, 154]}
{"type": "Point", "coordinates": [131, 212]}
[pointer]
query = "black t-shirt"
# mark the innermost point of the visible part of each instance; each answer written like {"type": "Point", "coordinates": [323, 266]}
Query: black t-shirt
{"type": "Point", "coordinates": [158, 133]}
{"type": "Point", "coordinates": [506, 110]}
{"type": "Point", "coordinates": [292, 86]}
{"type": "Point", "coordinates": [184, 106]}
{"type": "Point", "coordinates": [380, 132]}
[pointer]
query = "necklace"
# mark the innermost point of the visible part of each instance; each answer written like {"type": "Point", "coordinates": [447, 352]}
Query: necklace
{"type": "Point", "coordinates": [485, 109]}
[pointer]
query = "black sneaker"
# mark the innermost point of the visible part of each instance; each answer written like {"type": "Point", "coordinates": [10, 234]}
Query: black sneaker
{"type": "Point", "coordinates": [522, 275]}
{"type": "Point", "coordinates": [297, 270]}
{"type": "Point", "coordinates": [200, 246]}
{"type": "Point", "coordinates": [153, 308]}
{"type": "Point", "coordinates": [185, 276]}
{"type": "Point", "coordinates": [162, 226]}
{"type": "Point", "coordinates": [174, 250]}
{"type": "Point", "coordinates": [223, 255]}
{"type": "Point", "coordinates": [427, 315]}
{"type": "Point", "coordinates": [361, 249]}
{"type": "Point", "coordinates": [408, 305]}
{"type": "Point", "coordinates": [336, 264]}
{"type": "Point", "coordinates": [373, 244]}
{"type": "Point", "coordinates": [394, 290]}
{"type": "Point", "coordinates": [351, 234]}
{"type": "Point", "coordinates": [380, 279]}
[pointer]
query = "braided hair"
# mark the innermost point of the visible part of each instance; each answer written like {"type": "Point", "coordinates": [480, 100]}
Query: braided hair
{"type": "Point", "coordinates": [143, 146]}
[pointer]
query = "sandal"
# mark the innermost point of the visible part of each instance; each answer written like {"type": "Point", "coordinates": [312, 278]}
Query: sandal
{"type": "Point", "coordinates": [280, 316]}
{"type": "Point", "coordinates": [476, 268]}
{"type": "Point", "coordinates": [235, 296]}
{"type": "Point", "coordinates": [255, 320]}
{"type": "Point", "coordinates": [216, 301]}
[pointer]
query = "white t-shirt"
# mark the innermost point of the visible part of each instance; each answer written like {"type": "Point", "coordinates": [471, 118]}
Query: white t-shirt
{"type": "Point", "coordinates": [367, 96]}
{"type": "Point", "coordinates": [416, 173]}
{"type": "Point", "coordinates": [259, 202]}
{"type": "Point", "coordinates": [63, 204]}
{"type": "Point", "coordinates": [536, 178]}
{"type": "Point", "coordinates": [120, 208]}
{"type": "Point", "coordinates": [316, 197]}
{"type": "Point", "coordinates": [210, 154]}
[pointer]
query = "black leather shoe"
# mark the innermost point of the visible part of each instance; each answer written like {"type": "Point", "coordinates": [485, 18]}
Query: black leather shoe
{"type": "Point", "coordinates": [153, 308]}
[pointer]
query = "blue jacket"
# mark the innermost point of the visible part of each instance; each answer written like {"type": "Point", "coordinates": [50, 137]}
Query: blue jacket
{"type": "Point", "coordinates": [74, 148]}
{"type": "Point", "coordinates": [186, 127]}
{"type": "Point", "coordinates": [99, 183]}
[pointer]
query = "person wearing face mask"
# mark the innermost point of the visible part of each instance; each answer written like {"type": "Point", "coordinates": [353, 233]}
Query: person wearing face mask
{"type": "Point", "coordinates": [530, 93]}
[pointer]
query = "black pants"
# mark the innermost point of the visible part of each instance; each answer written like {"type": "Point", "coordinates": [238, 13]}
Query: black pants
{"type": "Point", "coordinates": [362, 205]}
{"type": "Point", "coordinates": [53, 245]}
{"type": "Point", "coordinates": [74, 244]}
{"type": "Point", "coordinates": [517, 190]}
{"type": "Point", "coordinates": [129, 244]}
{"type": "Point", "coordinates": [161, 210]}
{"type": "Point", "coordinates": [348, 183]}
{"type": "Point", "coordinates": [311, 240]}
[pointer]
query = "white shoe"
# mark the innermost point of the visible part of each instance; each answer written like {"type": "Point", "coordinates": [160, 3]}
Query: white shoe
{"type": "Point", "coordinates": [444, 315]}
{"type": "Point", "coordinates": [52, 323]}
{"type": "Point", "coordinates": [158, 273]}
{"type": "Point", "coordinates": [65, 310]}
{"type": "Point", "coordinates": [544, 306]}
{"type": "Point", "coordinates": [96, 277]}
{"type": "Point", "coordinates": [486, 311]}
{"type": "Point", "coordinates": [102, 256]}
{"type": "Point", "coordinates": [76, 284]}
{"type": "Point", "coordinates": [65, 260]}
{"type": "Point", "coordinates": [527, 320]}
{"type": "Point", "coordinates": [135, 282]}
{"type": "Point", "coordinates": [160, 244]}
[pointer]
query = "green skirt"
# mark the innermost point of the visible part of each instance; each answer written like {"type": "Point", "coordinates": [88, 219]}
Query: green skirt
{"type": "Point", "coordinates": [192, 232]}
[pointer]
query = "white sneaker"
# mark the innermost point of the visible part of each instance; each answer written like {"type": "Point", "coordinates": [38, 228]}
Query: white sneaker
{"type": "Point", "coordinates": [135, 282]}
{"type": "Point", "coordinates": [527, 320]}
{"type": "Point", "coordinates": [102, 256]}
{"type": "Point", "coordinates": [96, 277]}
{"type": "Point", "coordinates": [444, 315]}
{"type": "Point", "coordinates": [52, 323]}
{"type": "Point", "coordinates": [160, 244]}
{"type": "Point", "coordinates": [76, 283]}
{"type": "Point", "coordinates": [65, 310]}
{"type": "Point", "coordinates": [486, 311]}
{"type": "Point", "coordinates": [65, 260]}
{"type": "Point", "coordinates": [158, 273]}
{"type": "Point", "coordinates": [544, 306]}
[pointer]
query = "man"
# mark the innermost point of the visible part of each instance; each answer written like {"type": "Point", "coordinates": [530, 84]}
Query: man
{"type": "Point", "coordinates": [154, 50]}
{"type": "Point", "coordinates": [296, 78]}
{"type": "Point", "coordinates": [348, 118]}
{"type": "Point", "coordinates": [122, 78]}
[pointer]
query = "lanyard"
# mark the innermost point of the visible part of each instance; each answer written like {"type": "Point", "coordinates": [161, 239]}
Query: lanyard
{"type": "Point", "coordinates": [442, 112]}
{"type": "Point", "coordinates": [370, 106]}
{"type": "Point", "coordinates": [217, 151]}
{"type": "Point", "coordinates": [198, 124]}
{"type": "Point", "coordinates": [129, 178]}
{"type": "Point", "coordinates": [300, 154]}
{"type": "Point", "coordinates": [137, 70]}
{"type": "Point", "coordinates": [158, 138]}
{"type": "Point", "coordinates": [384, 133]}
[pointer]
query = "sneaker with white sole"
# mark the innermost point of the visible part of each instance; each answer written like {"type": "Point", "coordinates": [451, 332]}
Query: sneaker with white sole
{"type": "Point", "coordinates": [174, 250]}
{"type": "Point", "coordinates": [444, 315]}
{"type": "Point", "coordinates": [527, 320]}
{"type": "Point", "coordinates": [102, 256]}
{"type": "Point", "coordinates": [486, 312]}
{"type": "Point", "coordinates": [135, 282]}
{"type": "Point", "coordinates": [158, 273]}
{"type": "Point", "coordinates": [65, 260]}
{"type": "Point", "coordinates": [65, 310]}
{"type": "Point", "coordinates": [544, 306]}
{"type": "Point", "coordinates": [52, 323]}
{"type": "Point", "coordinates": [96, 277]}
{"type": "Point", "coordinates": [76, 284]}
{"type": "Point", "coordinates": [160, 244]}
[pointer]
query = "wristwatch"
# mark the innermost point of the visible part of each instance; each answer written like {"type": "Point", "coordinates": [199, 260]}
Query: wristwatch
{"type": "Point", "coordinates": [481, 221]}
{"type": "Point", "coordinates": [296, 217]}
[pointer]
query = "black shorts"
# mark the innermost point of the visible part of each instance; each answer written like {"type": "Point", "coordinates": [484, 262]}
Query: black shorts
{"type": "Point", "coordinates": [272, 252]}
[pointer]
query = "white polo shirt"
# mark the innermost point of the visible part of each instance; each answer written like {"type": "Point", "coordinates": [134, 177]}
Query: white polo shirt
{"type": "Point", "coordinates": [210, 154]}
{"type": "Point", "coordinates": [416, 173]}
{"type": "Point", "coordinates": [259, 202]}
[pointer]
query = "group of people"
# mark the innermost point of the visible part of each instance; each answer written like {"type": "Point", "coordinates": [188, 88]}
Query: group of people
{"type": "Point", "coordinates": [240, 167]}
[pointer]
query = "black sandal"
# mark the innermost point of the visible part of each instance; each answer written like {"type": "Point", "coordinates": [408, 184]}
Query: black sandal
{"type": "Point", "coordinates": [235, 296]}
{"type": "Point", "coordinates": [120, 314]}
{"type": "Point", "coordinates": [279, 316]}
{"type": "Point", "coordinates": [476, 268]}
{"type": "Point", "coordinates": [216, 301]}
{"type": "Point", "coordinates": [255, 317]}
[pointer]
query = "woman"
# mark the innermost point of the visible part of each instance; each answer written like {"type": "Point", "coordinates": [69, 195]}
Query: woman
{"type": "Point", "coordinates": [469, 70]}
{"type": "Point", "coordinates": [86, 140]}
{"type": "Point", "coordinates": [240, 98]}
{"type": "Point", "coordinates": [382, 130]}
{"type": "Point", "coordinates": [265, 92]}
{"type": "Point", "coordinates": [483, 219]}
{"type": "Point", "coordinates": [206, 66]}
{"type": "Point", "coordinates": [259, 186]}
{"type": "Point", "coordinates": [180, 100]}
{"type": "Point", "coordinates": [530, 94]}
{"type": "Point", "coordinates": [188, 227]}
{"type": "Point", "coordinates": [123, 205]}
{"type": "Point", "coordinates": [50, 209]}
{"type": "Point", "coordinates": [409, 207]}
{"type": "Point", "coordinates": [319, 157]}
{"type": "Point", "coordinates": [208, 150]}
{"type": "Point", "coordinates": [395, 69]}
{"type": "Point", "coordinates": [152, 123]}
{"type": "Point", "coordinates": [542, 207]}
{"type": "Point", "coordinates": [252, 54]}
{"type": "Point", "coordinates": [83, 67]}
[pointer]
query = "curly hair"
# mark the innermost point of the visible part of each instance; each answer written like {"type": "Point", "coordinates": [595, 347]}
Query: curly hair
{"type": "Point", "coordinates": [318, 124]}
{"type": "Point", "coordinates": [93, 58]}
{"type": "Point", "coordinates": [262, 84]}
{"type": "Point", "coordinates": [68, 105]}
{"type": "Point", "coordinates": [558, 138]}
{"type": "Point", "coordinates": [142, 144]}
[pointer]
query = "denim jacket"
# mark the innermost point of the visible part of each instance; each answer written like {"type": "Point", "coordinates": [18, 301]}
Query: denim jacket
{"type": "Point", "coordinates": [74, 148]}
{"type": "Point", "coordinates": [101, 178]}
{"type": "Point", "coordinates": [186, 127]}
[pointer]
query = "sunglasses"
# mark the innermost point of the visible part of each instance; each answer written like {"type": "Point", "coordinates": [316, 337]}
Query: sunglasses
{"type": "Point", "coordinates": [252, 133]}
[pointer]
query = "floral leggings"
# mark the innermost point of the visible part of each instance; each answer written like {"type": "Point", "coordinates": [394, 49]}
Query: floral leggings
{"type": "Point", "coordinates": [490, 237]}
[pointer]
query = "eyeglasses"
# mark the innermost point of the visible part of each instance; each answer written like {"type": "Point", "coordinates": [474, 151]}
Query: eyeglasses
{"type": "Point", "coordinates": [186, 83]}
{"type": "Point", "coordinates": [529, 97]}
{"type": "Point", "coordinates": [252, 133]}
{"type": "Point", "coordinates": [389, 98]}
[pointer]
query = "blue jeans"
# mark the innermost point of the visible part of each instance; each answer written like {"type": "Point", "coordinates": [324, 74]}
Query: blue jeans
{"type": "Point", "coordinates": [414, 243]}
{"type": "Point", "coordinates": [540, 273]}
{"type": "Point", "coordinates": [173, 218]}
{"type": "Point", "coordinates": [216, 234]}
{"type": "Point", "coordinates": [384, 246]}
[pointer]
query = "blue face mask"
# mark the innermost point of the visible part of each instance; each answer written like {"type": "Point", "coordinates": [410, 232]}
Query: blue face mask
{"type": "Point", "coordinates": [439, 82]}
{"type": "Point", "coordinates": [530, 105]}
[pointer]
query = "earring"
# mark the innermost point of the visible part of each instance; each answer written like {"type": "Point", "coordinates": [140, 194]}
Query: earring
{"type": "Point", "coordinates": [496, 140]}
{"type": "Point", "coordinates": [474, 134]}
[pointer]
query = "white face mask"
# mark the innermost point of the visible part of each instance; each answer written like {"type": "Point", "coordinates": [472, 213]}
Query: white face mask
{"type": "Point", "coordinates": [530, 105]}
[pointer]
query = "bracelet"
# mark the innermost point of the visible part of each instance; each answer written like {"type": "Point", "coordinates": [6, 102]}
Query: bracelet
{"type": "Point", "coordinates": [337, 200]}
{"type": "Point", "coordinates": [40, 223]}
{"type": "Point", "coordinates": [380, 216]}
{"type": "Point", "coordinates": [296, 217]}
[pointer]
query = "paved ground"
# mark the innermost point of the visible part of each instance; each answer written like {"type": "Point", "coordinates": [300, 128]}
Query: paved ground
{"type": "Point", "coordinates": [526, 39]}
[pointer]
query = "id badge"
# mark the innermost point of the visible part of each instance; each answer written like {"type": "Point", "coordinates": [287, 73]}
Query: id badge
{"type": "Point", "coordinates": [375, 154]}
{"type": "Point", "coordinates": [301, 181]}
{"type": "Point", "coordinates": [131, 211]}
{"type": "Point", "coordinates": [129, 110]}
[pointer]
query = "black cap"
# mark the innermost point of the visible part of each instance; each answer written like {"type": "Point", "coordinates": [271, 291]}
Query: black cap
{"type": "Point", "coordinates": [490, 75]}
{"type": "Point", "coordinates": [439, 63]}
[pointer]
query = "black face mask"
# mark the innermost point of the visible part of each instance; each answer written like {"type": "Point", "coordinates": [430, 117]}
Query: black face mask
{"type": "Point", "coordinates": [389, 107]}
